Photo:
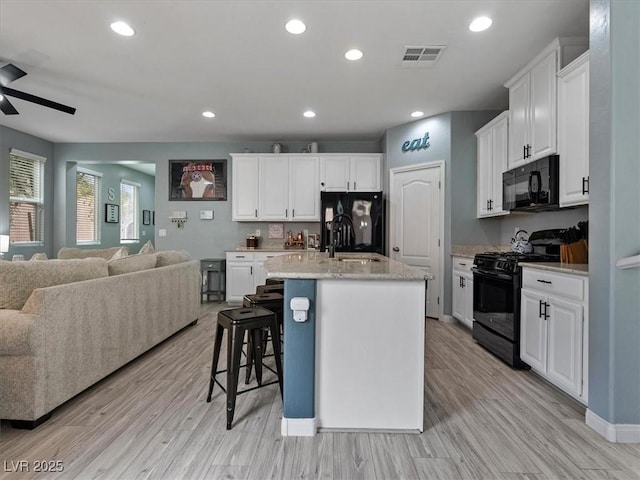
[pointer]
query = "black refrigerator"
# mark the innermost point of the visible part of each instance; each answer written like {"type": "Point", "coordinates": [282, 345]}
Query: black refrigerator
{"type": "Point", "coordinates": [359, 221]}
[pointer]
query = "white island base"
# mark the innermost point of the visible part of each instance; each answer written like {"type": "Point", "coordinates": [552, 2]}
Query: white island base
{"type": "Point", "coordinates": [370, 355]}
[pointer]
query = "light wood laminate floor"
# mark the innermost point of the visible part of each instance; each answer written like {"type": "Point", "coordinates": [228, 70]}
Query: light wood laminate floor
{"type": "Point", "coordinates": [483, 420]}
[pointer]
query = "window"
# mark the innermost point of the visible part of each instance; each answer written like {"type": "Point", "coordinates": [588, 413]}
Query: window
{"type": "Point", "coordinates": [26, 198]}
{"type": "Point", "coordinates": [129, 225]}
{"type": "Point", "coordinates": [87, 206]}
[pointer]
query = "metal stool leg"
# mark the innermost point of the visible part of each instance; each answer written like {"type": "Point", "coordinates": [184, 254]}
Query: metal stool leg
{"type": "Point", "coordinates": [275, 342]}
{"type": "Point", "coordinates": [250, 360]}
{"type": "Point", "coordinates": [256, 333]}
{"type": "Point", "coordinates": [216, 357]}
{"type": "Point", "coordinates": [234, 346]}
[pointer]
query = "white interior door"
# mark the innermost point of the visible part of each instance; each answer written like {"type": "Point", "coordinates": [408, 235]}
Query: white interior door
{"type": "Point", "coordinates": [416, 215]}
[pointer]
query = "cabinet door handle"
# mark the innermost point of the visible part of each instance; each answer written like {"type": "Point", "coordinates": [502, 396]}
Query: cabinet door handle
{"type": "Point", "coordinates": [354, 185]}
{"type": "Point", "coordinates": [462, 278]}
{"type": "Point", "coordinates": [293, 213]}
{"type": "Point", "coordinates": [585, 185]}
{"type": "Point", "coordinates": [462, 264]}
{"type": "Point", "coordinates": [239, 256]}
{"type": "Point", "coordinates": [539, 308]}
{"type": "Point", "coordinates": [546, 314]}
{"type": "Point", "coordinates": [256, 213]}
{"type": "Point", "coordinates": [524, 152]}
{"type": "Point", "coordinates": [528, 151]}
{"type": "Point", "coordinates": [286, 212]}
{"type": "Point", "coordinates": [347, 185]}
{"type": "Point", "coordinates": [487, 205]}
{"type": "Point", "coordinates": [490, 204]}
{"type": "Point", "coordinates": [544, 281]}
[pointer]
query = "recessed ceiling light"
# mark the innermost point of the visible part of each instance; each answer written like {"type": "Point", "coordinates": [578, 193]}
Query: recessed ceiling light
{"type": "Point", "coordinates": [417, 114]}
{"type": "Point", "coordinates": [353, 54]}
{"type": "Point", "coordinates": [208, 114]}
{"type": "Point", "coordinates": [309, 114]}
{"type": "Point", "coordinates": [295, 26]}
{"type": "Point", "coordinates": [479, 24]}
{"type": "Point", "coordinates": [122, 28]}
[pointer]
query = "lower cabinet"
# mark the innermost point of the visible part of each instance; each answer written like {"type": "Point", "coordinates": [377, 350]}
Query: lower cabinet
{"type": "Point", "coordinates": [245, 271]}
{"type": "Point", "coordinates": [554, 328]}
{"type": "Point", "coordinates": [462, 305]}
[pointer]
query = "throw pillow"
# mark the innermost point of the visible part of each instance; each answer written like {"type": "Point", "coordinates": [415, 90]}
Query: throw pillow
{"type": "Point", "coordinates": [131, 263]}
{"type": "Point", "coordinates": [39, 256]}
{"type": "Point", "coordinates": [122, 252]}
{"type": "Point", "coordinates": [19, 279]}
{"type": "Point", "coordinates": [171, 257]}
{"type": "Point", "coordinates": [147, 248]}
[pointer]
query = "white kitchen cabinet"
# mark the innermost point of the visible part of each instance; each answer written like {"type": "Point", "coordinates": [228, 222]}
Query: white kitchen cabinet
{"type": "Point", "coordinates": [245, 179]}
{"type": "Point", "coordinates": [304, 175]}
{"type": "Point", "coordinates": [462, 304]}
{"type": "Point", "coordinates": [245, 271]}
{"type": "Point", "coordinates": [493, 144]}
{"type": "Point", "coordinates": [274, 188]}
{"type": "Point", "coordinates": [240, 278]}
{"type": "Point", "coordinates": [350, 172]}
{"type": "Point", "coordinates": [532, 102]}
{"type": "Point", "coordinates": [573, 132]}
{"type": "Point", "coordinates": [554, 328]}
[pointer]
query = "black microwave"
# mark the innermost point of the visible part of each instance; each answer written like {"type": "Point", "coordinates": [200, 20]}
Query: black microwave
{"type": "Point", "coordinates": [532, 187]}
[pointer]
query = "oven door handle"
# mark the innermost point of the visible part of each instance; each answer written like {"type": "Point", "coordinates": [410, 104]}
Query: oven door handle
{"type": "Point", "coordinates": [491, 275]}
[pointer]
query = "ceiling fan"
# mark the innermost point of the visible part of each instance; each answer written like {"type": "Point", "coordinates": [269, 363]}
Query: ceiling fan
{"type": "Point", "coordinates": [8, 74]}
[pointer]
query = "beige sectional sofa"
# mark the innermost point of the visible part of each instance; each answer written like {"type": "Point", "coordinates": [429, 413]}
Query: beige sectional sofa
{"type": "Point", "coordinates": [81, 320]}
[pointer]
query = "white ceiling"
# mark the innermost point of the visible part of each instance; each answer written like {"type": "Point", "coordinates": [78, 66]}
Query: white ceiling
{"type": "Point", "coordinates": [235, 58]}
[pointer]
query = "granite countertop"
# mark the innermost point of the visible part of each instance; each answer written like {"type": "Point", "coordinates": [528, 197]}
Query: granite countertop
{"type": "Point", "coordinates": [318, 265]}
{"type": "Point", "coordinates": [470, 251]}
{"type": "Point", "coordinates": [581, 269]}
{"type": "Point", "coordinates": [265, 248]}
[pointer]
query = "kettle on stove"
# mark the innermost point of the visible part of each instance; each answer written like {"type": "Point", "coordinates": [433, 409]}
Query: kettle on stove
{"type": "Point", "coordinates": [520, 242]}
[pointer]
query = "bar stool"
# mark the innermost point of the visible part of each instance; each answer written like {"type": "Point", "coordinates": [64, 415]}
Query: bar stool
{"type": "Point", "coordinates": [273, 302]}
{"type": "Point", "coordinates": [270, 288]}
{"type": "Point", "coordinates": [236, 322]}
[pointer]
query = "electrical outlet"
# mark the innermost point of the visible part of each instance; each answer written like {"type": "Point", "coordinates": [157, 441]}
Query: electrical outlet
{"type": "Point", "coordinates": [305, 233]}
{"type": "Point", "coordinates": [257, 232]}
{"type": "Point", "coordinates": [162, 232]}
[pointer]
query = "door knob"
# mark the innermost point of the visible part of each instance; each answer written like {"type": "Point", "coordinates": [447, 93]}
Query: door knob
{"type": "Point", "coordinates": [396, 249]}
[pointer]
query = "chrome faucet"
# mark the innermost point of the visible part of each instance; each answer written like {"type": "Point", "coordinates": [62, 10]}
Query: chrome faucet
{"type": "Point", "coordinates": [335, 223]}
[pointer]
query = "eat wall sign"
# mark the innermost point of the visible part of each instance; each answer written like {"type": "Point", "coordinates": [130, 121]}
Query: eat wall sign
{"type": "Point", "coordinates": [416, 144]}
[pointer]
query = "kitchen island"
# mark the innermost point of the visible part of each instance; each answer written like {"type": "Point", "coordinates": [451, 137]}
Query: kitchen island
{"type": "Point", "coordinates": [357, 361]}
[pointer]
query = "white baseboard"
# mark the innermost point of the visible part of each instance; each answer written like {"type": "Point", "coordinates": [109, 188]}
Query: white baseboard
{"type": "Point", "coordinates": [618, 433]}
{"type": "Point", "coordinates": [298, 427]}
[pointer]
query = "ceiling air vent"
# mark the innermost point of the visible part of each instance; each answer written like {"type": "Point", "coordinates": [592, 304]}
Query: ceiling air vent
{"type": "Point", "coordinates": [422, 56]}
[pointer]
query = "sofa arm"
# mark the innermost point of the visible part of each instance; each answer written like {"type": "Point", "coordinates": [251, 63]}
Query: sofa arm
{"type": "Point", "coordinates": [18, 333]}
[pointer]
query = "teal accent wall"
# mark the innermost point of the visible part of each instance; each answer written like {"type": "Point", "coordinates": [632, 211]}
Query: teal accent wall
{"type": "Point", "coordinates": [112, 174]}
{"type": "Point", "coordinates": [614, 211]}
{"type": "Point", "coordinates": [10, 138]}
{"type": "Point", "coordinates": [299, 352]}
{"type": "Point", "coordinates": [201, 238]}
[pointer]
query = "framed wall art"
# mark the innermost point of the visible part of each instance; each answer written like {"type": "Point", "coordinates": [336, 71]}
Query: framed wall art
{"type": "Point", "coordinates": [146, 217]}
{"type": "Point", "coordinates": [111, 213]}
{"type": "Point", "coordinates": [198, 180]}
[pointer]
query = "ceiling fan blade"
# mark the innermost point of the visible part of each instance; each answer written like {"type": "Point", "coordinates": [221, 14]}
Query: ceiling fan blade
{"type": "Point", "coordinates": [6, 107]}
{"type": "Point", "coordinates": [9, 73]}
{"type": "Point", "coordinates": [38, 100]}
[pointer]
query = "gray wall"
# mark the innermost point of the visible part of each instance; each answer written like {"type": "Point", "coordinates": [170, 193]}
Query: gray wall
{"type": "Point", "coordinates": [9, 139]}
{"type": "Point", "coordinates": [614, 211]}
{"type": "Point", "coordinates": [452, 140]}
{"type": "Point", "coordinates": [564, 218]}
{"type": "Point", "coordinates": [112, 174]}
{"type": "Point", "coordinates": [201, 238]}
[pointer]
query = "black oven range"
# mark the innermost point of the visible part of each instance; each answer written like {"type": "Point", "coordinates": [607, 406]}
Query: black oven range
{"type": "Point", "coordinates": [496, 301]}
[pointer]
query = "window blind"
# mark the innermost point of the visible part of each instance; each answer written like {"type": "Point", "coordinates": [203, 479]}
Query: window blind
{"type": "Point", "coordinates": [87, 206]}
{"type": "Point", "coordinates": [26, 197]}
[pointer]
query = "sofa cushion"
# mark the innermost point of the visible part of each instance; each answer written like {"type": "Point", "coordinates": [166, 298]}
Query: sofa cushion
{"type": "Point", "coordinates": [147, 248]}
{"type": "Point", "coordinates": [19, 279]}
{"type": "Point", "coordinates": [120, 253]}
{"type": "Point", "coordinates": [39, 256]}
{"type": "Point", "coordinates": [171, 257]}
{"type": "Point", "coordinates": [131, 263]}
{"type": "Point", "coordinates": [66, 253]}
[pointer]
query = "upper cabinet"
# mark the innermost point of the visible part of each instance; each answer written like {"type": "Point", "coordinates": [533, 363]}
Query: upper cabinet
{"type": "Point", "coordinates": [269, 187]}
{"type": "Point", "coordinates": [573, 132]}
{"type": "Point", "coordinates": [286, 187]}
{"type": "Point", "coordinates": [493, 142]}
{"type": "Point", "coordinates": [532, 102]}
{"type": "Point", "coordinates": [350, 172]}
